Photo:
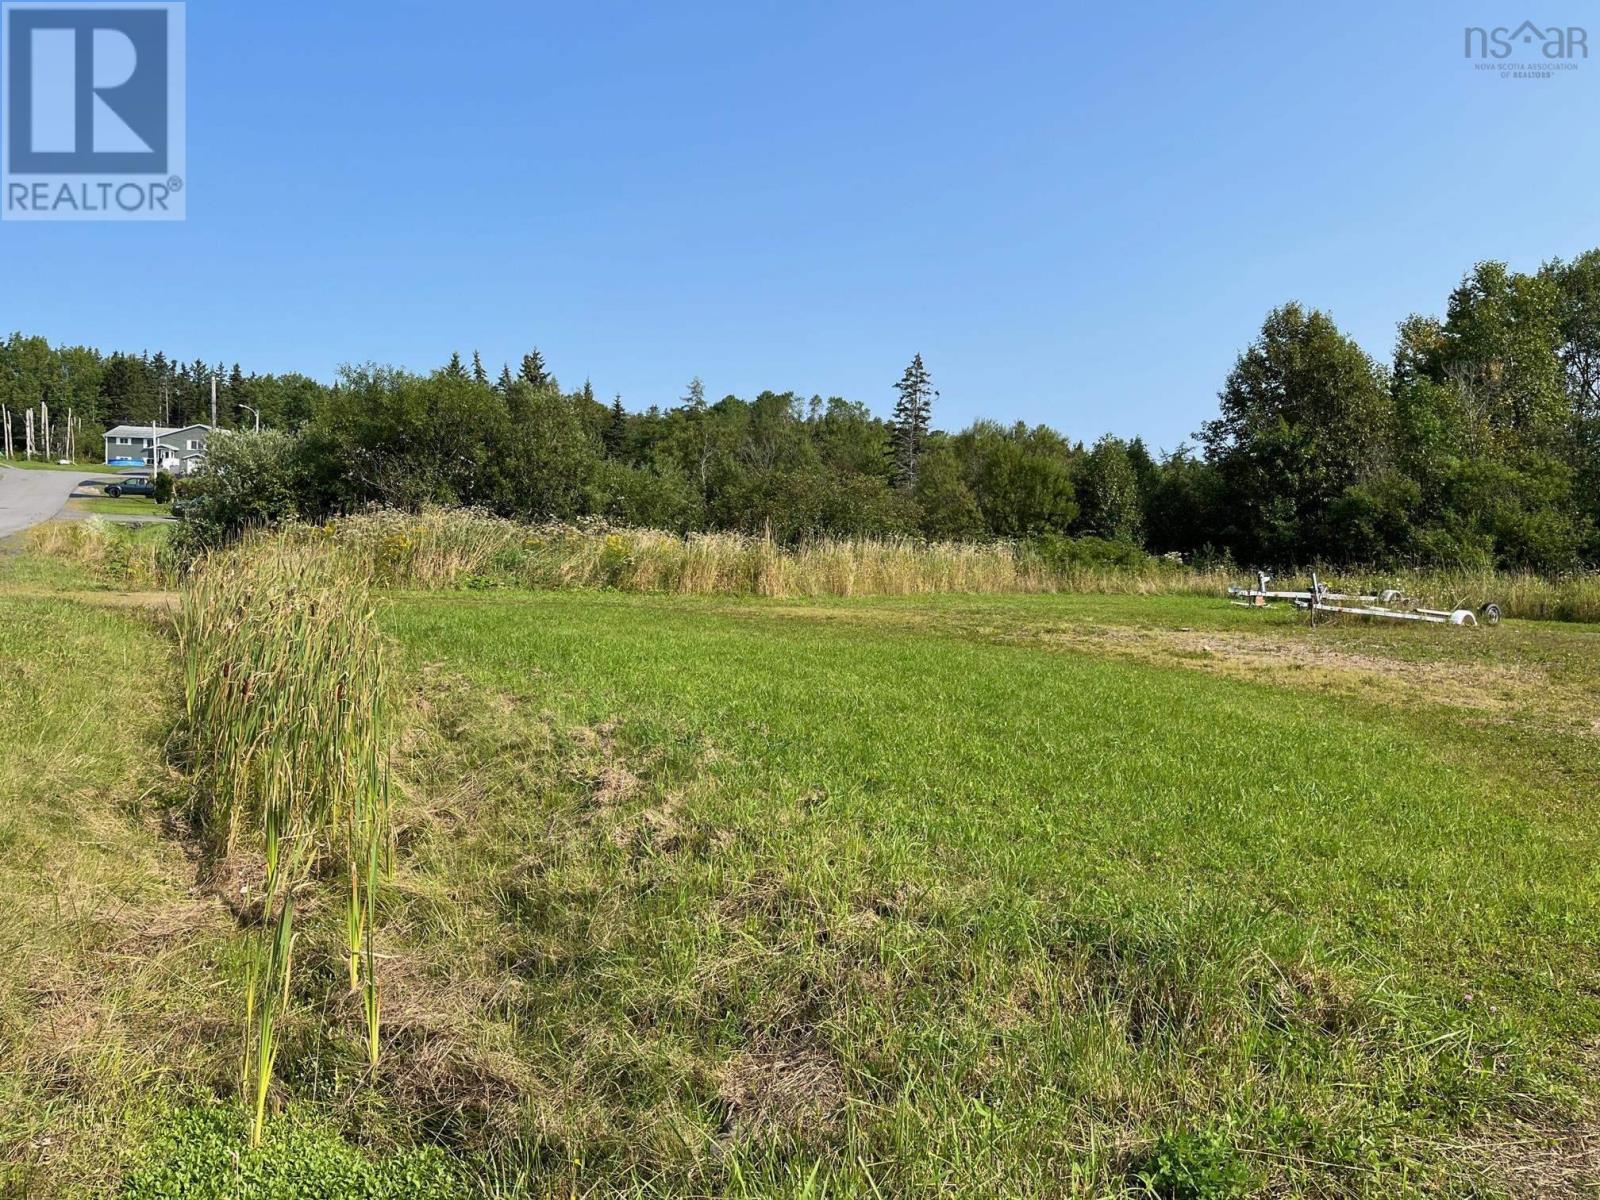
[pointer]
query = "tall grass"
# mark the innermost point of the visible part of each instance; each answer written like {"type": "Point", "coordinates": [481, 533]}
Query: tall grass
{"type": "Point", "coordinates": [455, 548]}
{"type": "Point", "coordinates": [451, 548]}
{"type": "Point", "coordinates": [444, 548]}
{"type": "Point", "coordinates": [127, 555]}
{"type": "Point", "coordinates": [285, 730]}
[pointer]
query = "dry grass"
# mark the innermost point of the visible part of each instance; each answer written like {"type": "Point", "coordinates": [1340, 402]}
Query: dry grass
{"type": "Point", "coordinates": [463, 548]}
{"type": "Point", "coordinates": [453, 548]}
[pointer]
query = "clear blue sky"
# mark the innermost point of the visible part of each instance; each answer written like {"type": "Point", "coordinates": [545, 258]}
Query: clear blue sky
{"type": "Point", "coordinates": [1078, 214]}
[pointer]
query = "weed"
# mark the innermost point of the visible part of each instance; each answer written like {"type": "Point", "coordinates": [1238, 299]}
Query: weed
{"type": "Point", "coordinates": [1185, 1165]}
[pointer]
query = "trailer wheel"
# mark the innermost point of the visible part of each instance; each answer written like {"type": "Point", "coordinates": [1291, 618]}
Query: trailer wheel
{"type": "Point", "coordinates": [1491, 614]}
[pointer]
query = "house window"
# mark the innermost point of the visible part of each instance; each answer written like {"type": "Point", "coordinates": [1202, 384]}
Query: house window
{"type": "Point", "coordinates": [194, 444]}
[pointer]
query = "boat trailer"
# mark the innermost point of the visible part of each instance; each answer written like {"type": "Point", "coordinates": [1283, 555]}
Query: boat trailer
{"type": "Point", "coordinates": [1390, 604]}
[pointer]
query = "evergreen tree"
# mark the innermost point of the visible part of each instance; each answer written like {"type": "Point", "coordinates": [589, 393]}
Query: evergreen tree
{"type": "Point", "coordinates": [162, 370]}
{"type": "Point", "coordinates": [455, 368]}
{"type": "Point", "coordinates": [695, 401]}
{"type": "Point", "coordinates": [479, 375]}
{"type": "Point", "coordinates": [909, 430]}
{"type": "Point", "coordinates": [533, 371]}
{"type": "Point", "coordinates": [615, 437]}
{"type": "Point", "coordinates": [505, 379]}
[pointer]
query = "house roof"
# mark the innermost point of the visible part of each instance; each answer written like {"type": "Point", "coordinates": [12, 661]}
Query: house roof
{"type": "Point", "coordinates": [144, 430]}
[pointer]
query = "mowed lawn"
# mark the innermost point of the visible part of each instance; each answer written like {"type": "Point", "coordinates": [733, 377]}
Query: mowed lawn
{"type": "Point", "coordinates": [1032, 895]}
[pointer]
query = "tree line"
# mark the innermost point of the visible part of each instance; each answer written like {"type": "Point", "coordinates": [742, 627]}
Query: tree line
{"type": "Point", "coordinates": [1477, 444]}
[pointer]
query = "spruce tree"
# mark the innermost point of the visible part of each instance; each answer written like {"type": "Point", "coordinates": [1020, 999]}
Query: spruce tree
{"type": "Point", "coordinates": [455, 369]}
{"type": "Point", "coordinates": [479, 375]}
{"type": "Point", "coordinates": [533, 370]}
{"type": "Point", "coordinates": [615, 437]}
{"type": "Point", "coordinates": [505, 379]}
{"type": "Point", "coordinates": [909, 428]}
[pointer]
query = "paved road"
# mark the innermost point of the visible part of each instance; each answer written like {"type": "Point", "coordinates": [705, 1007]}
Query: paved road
{"type": "Point", "coordinates": [29, 497]}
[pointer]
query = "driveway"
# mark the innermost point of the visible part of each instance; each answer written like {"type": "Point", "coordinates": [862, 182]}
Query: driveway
{"type": "Point", "coordinates": [29, 497]}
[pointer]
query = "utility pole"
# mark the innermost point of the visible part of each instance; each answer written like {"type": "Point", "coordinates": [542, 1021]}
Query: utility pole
{"type": "Point", "coordinates": [213, 400]}
{"type": "Point", "coordinates": [256, 412]}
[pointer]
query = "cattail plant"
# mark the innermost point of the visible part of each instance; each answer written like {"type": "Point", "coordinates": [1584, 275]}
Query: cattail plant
{"type": "Point", "coordinates": [286, 736]}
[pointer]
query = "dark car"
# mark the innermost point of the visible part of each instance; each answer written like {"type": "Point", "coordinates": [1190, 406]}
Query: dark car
{"type": "Point", "coordinates": [132, 485]}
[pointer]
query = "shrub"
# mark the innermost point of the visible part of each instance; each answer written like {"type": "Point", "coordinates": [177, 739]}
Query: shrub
{"type": "Point", "coordinates": [1064, 554]}
{"type": "Point", "coordinates": [249, 481]}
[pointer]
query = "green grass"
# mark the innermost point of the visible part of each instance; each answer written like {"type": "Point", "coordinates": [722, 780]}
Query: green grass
{"type": "Point", "coordinates": [104, 957]}
{"type": "Point", "coordinates": [121, 506]}
{"type": "Point", "coordinates": [1017, 913]}
{"type": "Point", "coordinates": [35, 465]}
{"type": "Point", "coordinates": [702, 896]}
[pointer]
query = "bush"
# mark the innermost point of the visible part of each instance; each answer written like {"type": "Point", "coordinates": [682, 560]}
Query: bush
{"type": "Point", "coordinates": [1064, 553]}
{"type": "Point", "coordinates": [248, 481]}
{"type": "Point", "coordinates": [163, 486]}
{"type": "Point", "coordinates": [645, 497]}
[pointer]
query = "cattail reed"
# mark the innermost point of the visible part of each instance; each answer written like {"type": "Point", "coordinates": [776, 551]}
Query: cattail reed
{"type": "Point", "coordinates": [286, 734]}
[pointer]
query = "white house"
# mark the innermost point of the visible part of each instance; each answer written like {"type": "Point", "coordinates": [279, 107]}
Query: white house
{"type": "Point", "coordinates": [178, 450]}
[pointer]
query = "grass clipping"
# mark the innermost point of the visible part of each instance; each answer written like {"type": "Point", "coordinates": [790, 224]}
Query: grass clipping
{"type": "Point", "coordinates": [285, 731]}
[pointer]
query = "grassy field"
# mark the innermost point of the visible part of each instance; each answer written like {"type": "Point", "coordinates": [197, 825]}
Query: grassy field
{"type": "Point", "coordinates": [1029, 895]}
{"type": "Point", "coordinates": [995, 895]}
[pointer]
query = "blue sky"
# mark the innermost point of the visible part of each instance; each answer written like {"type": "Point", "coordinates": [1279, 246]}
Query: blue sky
{"type": "Point", "coordinates": [1077, 214]}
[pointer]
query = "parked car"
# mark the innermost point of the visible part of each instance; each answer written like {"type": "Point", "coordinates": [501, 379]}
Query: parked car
{"type": "Point", "coordinates": [132, 485]}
